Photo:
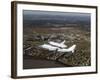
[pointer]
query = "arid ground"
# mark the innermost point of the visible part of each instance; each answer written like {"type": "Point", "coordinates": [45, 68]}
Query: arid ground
{"type": "Point", "coordinates": [72, 35]}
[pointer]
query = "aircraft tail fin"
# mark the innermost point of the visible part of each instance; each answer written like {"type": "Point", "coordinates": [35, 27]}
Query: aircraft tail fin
{"type": "Point", "coordinates": [63, 42]}
{"type": "Point", "coordinates": [72, 48]}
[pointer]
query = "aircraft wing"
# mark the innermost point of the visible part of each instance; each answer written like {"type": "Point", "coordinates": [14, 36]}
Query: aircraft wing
{"type": "Point", "coordinates": [49, 47]}
{"type": "Point", "coordinates": [57, 44]}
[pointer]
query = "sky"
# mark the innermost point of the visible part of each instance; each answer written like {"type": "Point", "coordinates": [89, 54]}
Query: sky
{"type": "Point", "coordinates": [36, 17]}
{"type": "Point", "coordinates": [53, 13]}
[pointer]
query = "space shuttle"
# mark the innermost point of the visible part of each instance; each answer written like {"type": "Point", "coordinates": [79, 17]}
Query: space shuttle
{"type": "Point", "coordinates": [59, 47]}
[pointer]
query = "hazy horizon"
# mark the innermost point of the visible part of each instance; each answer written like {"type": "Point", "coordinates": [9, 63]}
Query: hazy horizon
{"type": "Point", "coordinates": [38, 18]}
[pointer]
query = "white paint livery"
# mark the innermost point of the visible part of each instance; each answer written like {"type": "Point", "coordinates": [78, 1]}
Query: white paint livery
{"type": "Point", "coordinates": [60, 47]}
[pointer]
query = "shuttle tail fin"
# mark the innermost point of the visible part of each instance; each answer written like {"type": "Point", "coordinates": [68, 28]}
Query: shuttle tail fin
{"type": "Point", "coordinates": [63, 42]}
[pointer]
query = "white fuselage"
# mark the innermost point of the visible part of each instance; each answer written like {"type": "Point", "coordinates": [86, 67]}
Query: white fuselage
{"type": "Point", "coordinates": [49, 47]}
{"type": "Point", "coordinates": [53, 48]}
{"type": "Point", "coordinates": [70, 49]}
{"type": "Point", "coordinates": [61, 45]}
